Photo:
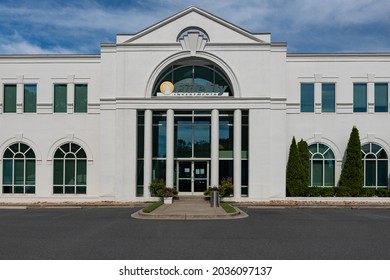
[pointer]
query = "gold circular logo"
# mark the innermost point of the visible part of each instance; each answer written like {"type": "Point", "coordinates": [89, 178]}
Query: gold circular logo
{"type": "Point", "coordinates": [166, 87]}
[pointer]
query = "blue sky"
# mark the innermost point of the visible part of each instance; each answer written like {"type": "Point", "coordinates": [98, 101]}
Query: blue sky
{"type": "Point", "coordinates": [79, 26]}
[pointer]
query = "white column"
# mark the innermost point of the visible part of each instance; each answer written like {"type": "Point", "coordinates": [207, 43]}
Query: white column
{"type": "Point", "coordinates": [318, 93]}
{"type": "Point", "coordinates": [370, 93]}
{"type": "Point", "coordinates": [237, 153]}
{"type": "Point", "coordinates": [70, 94]}
{"type": "Point", "coordinates": [214, 178]}
{"type": "Point", "coordinates": [19, 94]}
{"type": "Point", "coordinates": [170, 148]}
{"type": "Point", "coordinates": [148, 144]}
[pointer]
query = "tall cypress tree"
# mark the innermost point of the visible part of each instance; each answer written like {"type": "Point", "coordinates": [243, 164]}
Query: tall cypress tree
{"type": "Point", "coordinates": [294, 178]}
{"type": "Point", "coordinates": [352, 175]}
{"type": "Point", "coordinates": [304, 157]}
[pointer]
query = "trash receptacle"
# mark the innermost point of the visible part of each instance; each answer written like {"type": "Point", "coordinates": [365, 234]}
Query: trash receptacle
{"type": "Point", "coordinates": [214, 199]}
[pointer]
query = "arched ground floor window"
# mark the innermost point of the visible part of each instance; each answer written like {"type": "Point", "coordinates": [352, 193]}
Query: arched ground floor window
{"type": "Point", "coordinates": [19, 169]}
{"type": "Point", "coordinates": [70, 170]}
{"type": "Point", "coordinates": [375, 165]}
{"type": "Point", "coordinates": [322, 165]}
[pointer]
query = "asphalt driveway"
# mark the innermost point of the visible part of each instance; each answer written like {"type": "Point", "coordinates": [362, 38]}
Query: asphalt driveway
{"type": "Point", "coordinates": [110, 233]}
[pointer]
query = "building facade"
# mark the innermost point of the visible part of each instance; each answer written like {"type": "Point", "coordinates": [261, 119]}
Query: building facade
{"type": "Point", "coordinates": [192, 99]}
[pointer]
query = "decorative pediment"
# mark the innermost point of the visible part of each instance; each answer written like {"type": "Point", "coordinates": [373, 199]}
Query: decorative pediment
{"type": "Point", "coordinates": [165, 32]}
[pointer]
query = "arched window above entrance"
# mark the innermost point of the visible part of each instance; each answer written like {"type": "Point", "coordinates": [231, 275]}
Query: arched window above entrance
{"type": "Point", "coordinates": [195, 77]}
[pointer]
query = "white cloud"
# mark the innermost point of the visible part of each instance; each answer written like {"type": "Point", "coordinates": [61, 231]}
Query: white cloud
{"type": "Point", "coordinates": [72, 26]}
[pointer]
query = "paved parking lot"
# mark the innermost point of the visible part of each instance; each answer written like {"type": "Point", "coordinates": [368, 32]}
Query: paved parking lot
{"type": "Point", "coordinates": [110, 233]}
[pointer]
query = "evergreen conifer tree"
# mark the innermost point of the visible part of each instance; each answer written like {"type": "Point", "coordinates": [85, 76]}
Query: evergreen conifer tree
{"type": "Point", "coordinates": [352, 173]}
{"type": "Point", "coordinates": [294, 178]}
{"type": "Point", "coordinates": [304, 157]}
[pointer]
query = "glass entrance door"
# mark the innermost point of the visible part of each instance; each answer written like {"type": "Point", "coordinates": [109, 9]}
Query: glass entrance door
{"type": "Point", "coordinates": [192, 176]}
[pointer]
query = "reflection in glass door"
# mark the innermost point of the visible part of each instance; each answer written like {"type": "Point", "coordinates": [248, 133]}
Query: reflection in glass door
{"type": "Point", "coordinates": [192, 176]}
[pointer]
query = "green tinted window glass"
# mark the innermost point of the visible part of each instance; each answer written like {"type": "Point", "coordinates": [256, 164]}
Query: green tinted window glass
{"type": "Point", "coordinates": [19, 172]}
{"type": "Point", "coordinates": [159, 169]}
{"type": "Point", "coordinates": [375, 148]}
{"type": "Point", "coordinates": [140, 141]}
{"type": "Point", "coordinates": [81, 154]}
{"type": "Point", "coordinates": [81, 98]}
{"type": "Point", "coordinates": [58, 189]}
{"type": "Point", "coordinates": [183, 141]}
{"type": "Point", "coordinates": [9, 98]}
{"type": "Point", "coordinates": [81, 190]}
{"type": "Point", "coordinates": [244, 142]}
{"type": "Point", "coordinates": [59, 154]}
{"type": "Point", "coordinates": [8, 154]}
{"type": "Point", "coordinates": [226, 141]}
{"type": "Point", "coordinates": [159, 141]}
{"type": "Point", "coordinates": [81, 176]}
{"type": "Point", "coordinates": [58, 176]}
{"type": "Point", "coordinates": [7, 171]}
{"type": "Point", "coordinates": [370, 173]}
{"type": "Point", "coordinates": [30, 172]}
{"type": "Point", "coordinates": [381, 98]}
{"type": "Point", "coordinates": [140, 172]}
{"type": "Point", "coordinates": [382, 154]}
{"type": "Point", "coordinates": [329, 173]}
{"type": "Point", "coordinates": [202, 141]}
{"type": "Point", "coordinates": [29, 154]}
{"type": "Point", "coordinates": [70, 165]}
{"type": "Point", "coordinates": [60, 98]}
{"type": "Point", "coordinates": [328, 98]}
{"type": "Point", "coordinates": [23, 148]}
{"type": "Point", "coordinates": [307, 97]}
{"type": "Point", "coordinates": [360, 97]}
{"type": "Point", "coordinates": [30, 99]}
{"type": "Point", "coordinates": [382, 173]}
{"type": "Point", "coordinates": [317, 172]}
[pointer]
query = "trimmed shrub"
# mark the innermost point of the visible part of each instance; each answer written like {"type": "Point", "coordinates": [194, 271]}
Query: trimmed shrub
{"type": "Point", "coordinates": [352, 172]}
{"type": "Point", "coordinates": [295, 181]}
{"type": "Point", "coordinates": [304, 157]}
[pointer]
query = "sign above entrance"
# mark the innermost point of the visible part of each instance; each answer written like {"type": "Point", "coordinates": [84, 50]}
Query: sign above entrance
{"type": "Point", "coordinates": [184, 89]}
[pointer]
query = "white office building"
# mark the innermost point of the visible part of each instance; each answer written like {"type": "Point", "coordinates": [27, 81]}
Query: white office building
{"type": "Point", "coordinates": [192, 99]}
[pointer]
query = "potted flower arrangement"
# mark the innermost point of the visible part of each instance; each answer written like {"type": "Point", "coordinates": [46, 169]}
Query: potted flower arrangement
{"type": "Point", "coordinates": [158, 188]}
{"type": "Point", "coordinates": [167, 194]}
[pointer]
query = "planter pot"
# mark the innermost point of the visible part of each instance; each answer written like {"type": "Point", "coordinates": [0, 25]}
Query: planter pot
{"type": "Point", "coordinates": [168, 200]}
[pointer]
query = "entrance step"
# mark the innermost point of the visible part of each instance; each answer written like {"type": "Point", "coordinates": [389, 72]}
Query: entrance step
{"type": "Point", "coordinates": [191, 198]}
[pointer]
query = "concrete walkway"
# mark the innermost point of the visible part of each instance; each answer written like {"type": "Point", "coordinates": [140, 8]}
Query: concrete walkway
{"type": "Point", "coordinates": [189, 208]}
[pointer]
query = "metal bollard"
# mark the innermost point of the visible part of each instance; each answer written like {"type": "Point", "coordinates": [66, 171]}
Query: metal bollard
{"type": "Point", "coordinates": [214, 199]}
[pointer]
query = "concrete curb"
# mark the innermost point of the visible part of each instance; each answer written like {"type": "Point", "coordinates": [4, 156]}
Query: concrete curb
{"type": "Point", "coordinates": [239, 214]}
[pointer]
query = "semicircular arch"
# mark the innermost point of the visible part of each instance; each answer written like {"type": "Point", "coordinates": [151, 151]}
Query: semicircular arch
{"type": "Point", "coordinates": [182, 56]}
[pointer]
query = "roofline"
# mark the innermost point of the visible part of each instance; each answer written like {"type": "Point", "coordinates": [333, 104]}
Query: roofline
{"type": "Point", "coordinates": [351, 54]}
{"type": "Point", "coordinates": [50, 56]}
{"type": "Point", "coordinates": [187, 11]}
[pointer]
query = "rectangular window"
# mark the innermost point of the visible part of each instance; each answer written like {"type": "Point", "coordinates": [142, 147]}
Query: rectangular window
{"type": "Point", "coordinates": [360, 97]}
{"type": "Point", "coordinates": [381, 98]}
{"type": "Point", "coordinates": [9, 98]}
{"type": "Point", "coordinates": [60, 98]}
{"type": "Point", "coordinates": [81, 98]}
{"type": "Point", "coordinates": [30, 99]}
{"type": "Point", "coordinates": [328, 98]}
{"type": "Point", "coordinates": [307, 97]}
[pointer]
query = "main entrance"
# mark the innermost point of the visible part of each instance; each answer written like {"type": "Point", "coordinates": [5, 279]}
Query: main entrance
{"type": "Point", "coordinates": [192, 176]}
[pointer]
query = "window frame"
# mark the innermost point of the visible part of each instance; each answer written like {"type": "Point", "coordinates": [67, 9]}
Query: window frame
{"type": "Point", "coordinates": [57, 100]}
{"type": "Point", "coordinates": [323, 93]}
{"type": "Point", "coordinates": [26, 99]}
{"type": "Point", "coordinates": [355, 94]}
{"type": "Point", "coordinates": [20, 154]}
{"type": "Point", "coordinates": [80, 106]}
{"type": "Point", "coordinates": [14, 99]}
{"type": "Point", "coordinates": [323, 161]}
{"type": "Point", "coordinates": [63, 165]}
{"type": "Point", "coordinates": [303, 94]}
